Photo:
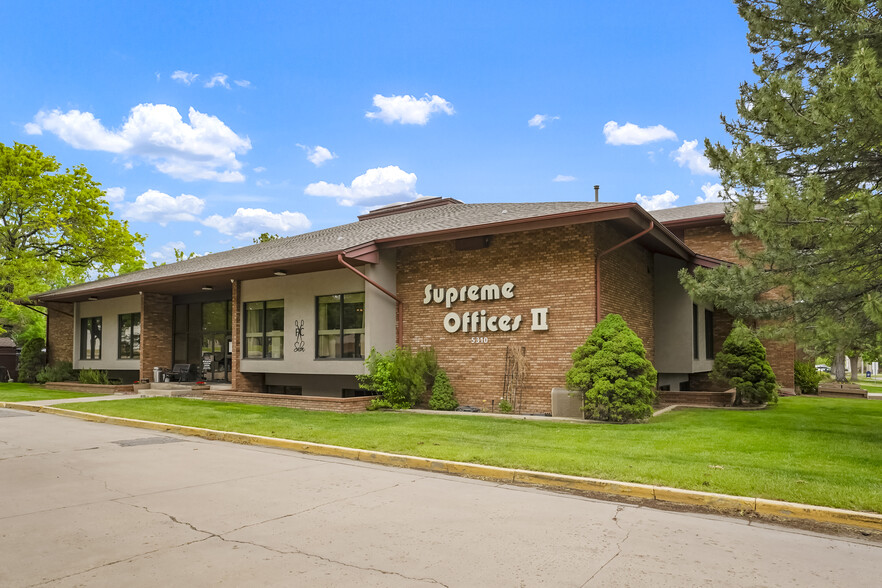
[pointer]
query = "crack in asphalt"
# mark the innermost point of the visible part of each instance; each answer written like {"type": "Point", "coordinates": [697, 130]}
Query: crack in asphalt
{"type": "Point", "coordinates": [212, 535]}
{"type": "Point", "coordinates": [619, 545]}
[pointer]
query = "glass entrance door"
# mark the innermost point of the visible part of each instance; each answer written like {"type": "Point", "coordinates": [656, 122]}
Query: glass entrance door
{"type": "Point", "coordinates": [203, 337]}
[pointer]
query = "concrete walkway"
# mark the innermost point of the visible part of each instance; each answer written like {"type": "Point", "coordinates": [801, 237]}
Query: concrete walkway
{"type": "Point", "coordinates": [88, 504]}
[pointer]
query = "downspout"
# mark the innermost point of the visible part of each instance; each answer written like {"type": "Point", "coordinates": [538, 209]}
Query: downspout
{"type": "Point", "coordinates": [399, 336]}
{"type": "Point", "coordinates": [597, 268]}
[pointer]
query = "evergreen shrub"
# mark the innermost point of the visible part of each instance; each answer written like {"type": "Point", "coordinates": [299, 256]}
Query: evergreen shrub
{"type": "Point", "coordinates": [612, 371]}
{"type": "Point", "coordinates": [30, 362]}
{"type": "Point", "coordinates": [94, 377]}
{"type": "Point", "coordinates": [400, 376]}
{"type": "Point", "coordinates": [806, 377]}
{"type": "Point", "coordinates": [443, 395]}
{"type": "Point", "coordinates": [60, 371]}
{"type": "Point", "coordinates": [742, 364]}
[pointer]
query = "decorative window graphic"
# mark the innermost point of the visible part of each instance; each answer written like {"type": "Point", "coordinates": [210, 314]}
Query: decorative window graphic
{"type": "Point", "coordinates": [299, 341]}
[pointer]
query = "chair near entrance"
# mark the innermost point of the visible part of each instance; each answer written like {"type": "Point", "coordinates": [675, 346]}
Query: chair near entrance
{"type": "Point", "coordinates": [180, 372]}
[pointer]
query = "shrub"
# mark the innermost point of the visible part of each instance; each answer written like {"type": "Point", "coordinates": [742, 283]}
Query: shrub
{"type": "Point", "coordinates": [612, 371]}
{"type": "Point", "coordinates": [401, 377]}
{"type": "Point", "coordinates": [93, 377]}
{"type": "Point", "coordinates": [505, 406]}
{"type": "Point", "coordinates": [443, 395]}
{"type": "Point", "coordinates": [806, 377]}
{"type": "Point", "coordinates": [30, 362]}
{"type": "Point", "coordinates": [58, 372]}
{"type": "Point", "coordinates": [742, 364]}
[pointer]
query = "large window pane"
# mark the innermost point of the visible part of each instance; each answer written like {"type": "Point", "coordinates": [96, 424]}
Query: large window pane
{"type": "Point", "coordinates": [90, 338]}
{"type": "Point", "coordinates": [265, 329]}
{"type": "Point", "coordinates": [214, 316]}
{"type": "Point", "coordinates": [129, 336]}
{"type": "Point", "coordinates": [275, 328]}
{"type": "Point", "coordinates": [340, 331]}
{"type": "Point", "coordinates": [254, 329]}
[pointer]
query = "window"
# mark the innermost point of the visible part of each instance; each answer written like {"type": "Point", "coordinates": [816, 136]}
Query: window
{"type": "Point", "coordinates": [340, 326]}
{"type": "Point", "coordinates": [264, 329]}
{"type": "Point", "coordinates": [129, 336]}
{"type": "Point", "coordinates": [90, 338]}
{"type": "Point", "coordinates": [708, 334]}
{"type": "Point", "coordinates": [695, 331]}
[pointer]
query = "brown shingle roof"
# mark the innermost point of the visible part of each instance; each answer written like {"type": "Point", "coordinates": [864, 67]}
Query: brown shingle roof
{"type": "Point", "coordinates": [689, 212]}
{"type": "Point", "coordinates": [337, 239]}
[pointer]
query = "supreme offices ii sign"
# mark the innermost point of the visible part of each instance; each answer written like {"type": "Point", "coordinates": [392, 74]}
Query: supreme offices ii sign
{"type": "Point", "coordinates": [480, 321]}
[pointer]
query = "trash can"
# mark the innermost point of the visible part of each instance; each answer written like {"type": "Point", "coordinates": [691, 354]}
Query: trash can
{"type": "Point", "coordinates": [157, 374]}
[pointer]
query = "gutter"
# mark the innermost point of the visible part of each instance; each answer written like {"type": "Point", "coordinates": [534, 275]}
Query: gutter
{"type": "Point", "coordinates": [597, 267]}
{"type": "Point", "coordinates": [399, 335]}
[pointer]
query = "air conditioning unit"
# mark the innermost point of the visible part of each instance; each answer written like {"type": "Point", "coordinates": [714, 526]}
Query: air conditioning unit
{"type": "Point", "coordinates": [566, 403]}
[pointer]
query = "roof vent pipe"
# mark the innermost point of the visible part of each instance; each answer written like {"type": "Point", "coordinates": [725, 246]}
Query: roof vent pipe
{"type": "Point", "coordinates": [596, 192]}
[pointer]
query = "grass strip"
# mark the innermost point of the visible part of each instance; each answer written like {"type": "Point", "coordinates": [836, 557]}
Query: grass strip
{"type": "Point", "coordinates": [26, 392]}
{"type": "Point", "coordinates": [821, 451]}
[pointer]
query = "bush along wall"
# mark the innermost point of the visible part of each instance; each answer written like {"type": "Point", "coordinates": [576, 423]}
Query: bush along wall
{"type": "Point", "coordinates": [742, 365]}
{"type": "Point", "coordinates": [612, 371]}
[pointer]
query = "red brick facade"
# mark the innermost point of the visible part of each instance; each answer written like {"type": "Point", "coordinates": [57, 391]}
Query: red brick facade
{"type": "Point", "coordinates": [156, 333]}
{"type": "Point", "coordinates": [551, 268]}
{"type": "Point", "coordinates": [59, 332]}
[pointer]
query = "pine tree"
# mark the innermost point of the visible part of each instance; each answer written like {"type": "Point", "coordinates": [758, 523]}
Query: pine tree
{"type": "Point", "coordinates": [443, 396]}
{"type": "Point", "coordinates": [742, 364]}
{"type": "Point", "coordinates": [804, 175]}
{"type": "Point", "coordinates": [612, 370]}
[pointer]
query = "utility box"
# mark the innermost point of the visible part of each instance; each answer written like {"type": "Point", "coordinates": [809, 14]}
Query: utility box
{"type": "Point", "coordinates": [566, 403]}
{"type": "Point", "coordinates": [157, 374]}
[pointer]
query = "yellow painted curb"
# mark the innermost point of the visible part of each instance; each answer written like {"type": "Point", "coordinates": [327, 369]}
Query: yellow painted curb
{"type": "Point", "coordinates": [770, 509]}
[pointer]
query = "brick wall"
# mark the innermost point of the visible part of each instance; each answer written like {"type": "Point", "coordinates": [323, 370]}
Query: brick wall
{"type": "Point", "coordinates": [358, 404]}
{"type": "Point", "coordinates": [241, 382]}
{"type": "Point", "coordinates": [626, 285]}
{"type": "Point", "coordinates": [551, 268]}
{"type": "Point", "coordinates": [60, 332]}
{"type": "Point", "coordinates": [719, 242]}
{"type": "Point", "coordinates": [156, 333]}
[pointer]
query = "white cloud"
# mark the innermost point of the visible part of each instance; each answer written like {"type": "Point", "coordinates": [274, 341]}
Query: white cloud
{"type": "Point", "coordinates": [115, 194]}
{"type": "Point", "coordinates": [408, 110]}
{"type": "Point", "coordinates": [631, 134]}
{"type": "Point", "coordinates": [184, 77]}
{"type": "Point", "coordinates": [380, 185]}
{"type": "Point", "coordinates": [167, 251]}
{"type": "Point", "coordinates": [218, 79]}
{"type": "Point", "coordinates": [197, 232]}
{"type": "Point", "coordinates": [712, 193]}
{"type": "Point", "coordinates": [158, 207]}
{"type": "Point", "coordinates": [317, 155]}
{"type": "Point", "coordinates": [259, 170]}
{"type": "Point", "coordinates": [203, 149]}
{"type": "Point", "coordinates": [242, 83]}
{"type": "Point", "coordinates": [563, 178]}
{"type": "Point", "coordinates": [539, 120]}
{"type": "Point", "coordinates": [248, 223]}
{"type": "Point", "coordinates": [658, 201]}
{"type": "Point", "coordinates": [33, 129]}
{"type": "Point", "coordinates": [688, 156]}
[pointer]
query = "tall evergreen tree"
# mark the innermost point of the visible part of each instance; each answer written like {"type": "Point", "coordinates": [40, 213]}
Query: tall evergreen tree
{"type": "Point", "coordinates": [804, 174]}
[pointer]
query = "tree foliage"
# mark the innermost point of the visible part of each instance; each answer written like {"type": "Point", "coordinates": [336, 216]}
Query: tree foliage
{"type": "Point", "coordinates": [804, 173]}
{"type": "Point", "coordinates": [612, 370]}
{"type": "Point", "coordinates": [56, 227]}
{"type": "Point", "coordinates": [30, 361]}
{"type": "Point", "coordinates": [742, 365]}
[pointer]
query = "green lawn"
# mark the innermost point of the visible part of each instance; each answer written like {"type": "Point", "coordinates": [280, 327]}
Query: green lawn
{"type": "Point", "coordinates": [822, 451]}
{"type": "Point", "coordinates": [24, 392]}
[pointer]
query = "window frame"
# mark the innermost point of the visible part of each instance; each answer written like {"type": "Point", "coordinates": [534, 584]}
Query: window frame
{"type": "Point", "coordinates": [92, 320]}
{"type": "Point", "coordinates": [342, 330]}
{"type": "Point", "coordinates": [264, 337]}
{"type": "Point", "coordinates": [119, 333]}
{"type": "Point", "coordinates": [695, 331]}
{"type": "Point", "coordinates": [709, 334]}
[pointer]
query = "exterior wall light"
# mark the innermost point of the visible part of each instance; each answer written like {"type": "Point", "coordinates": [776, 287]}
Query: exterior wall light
{"type": "Point", "coordinates": [280, 273]}
{"type": "Point", "coordinates": [93, 298]}
{"type": "Point", "coordinates": [207, 288]}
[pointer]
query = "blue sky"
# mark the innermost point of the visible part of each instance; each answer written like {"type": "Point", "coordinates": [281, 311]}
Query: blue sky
{"type": "Point", "coordinates": [211, 122]}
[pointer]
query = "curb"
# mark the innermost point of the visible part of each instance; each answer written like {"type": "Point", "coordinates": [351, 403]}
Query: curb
{"type": "Point", "coordinates": [722, 503]}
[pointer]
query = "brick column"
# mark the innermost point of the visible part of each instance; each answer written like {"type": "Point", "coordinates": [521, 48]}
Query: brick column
{"type": "Point", "coordinates": [157, 312]}
{"type": "Point", "coordinates": [59, 332]}
{"type": "Point", "coordinates": [241, 382]}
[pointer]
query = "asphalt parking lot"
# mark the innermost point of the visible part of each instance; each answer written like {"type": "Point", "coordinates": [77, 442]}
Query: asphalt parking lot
{"type": "Point", "coordinates": [88, 504]}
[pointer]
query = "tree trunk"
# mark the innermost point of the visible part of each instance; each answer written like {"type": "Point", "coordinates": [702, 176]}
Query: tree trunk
{"type": "Point", "coordinates": [855, 367]}
{"type": "Point", "coordinates": [838, 368]}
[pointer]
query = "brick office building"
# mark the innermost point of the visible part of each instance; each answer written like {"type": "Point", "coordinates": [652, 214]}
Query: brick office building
{"type": "Point", "coordinates": [503, 292]}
